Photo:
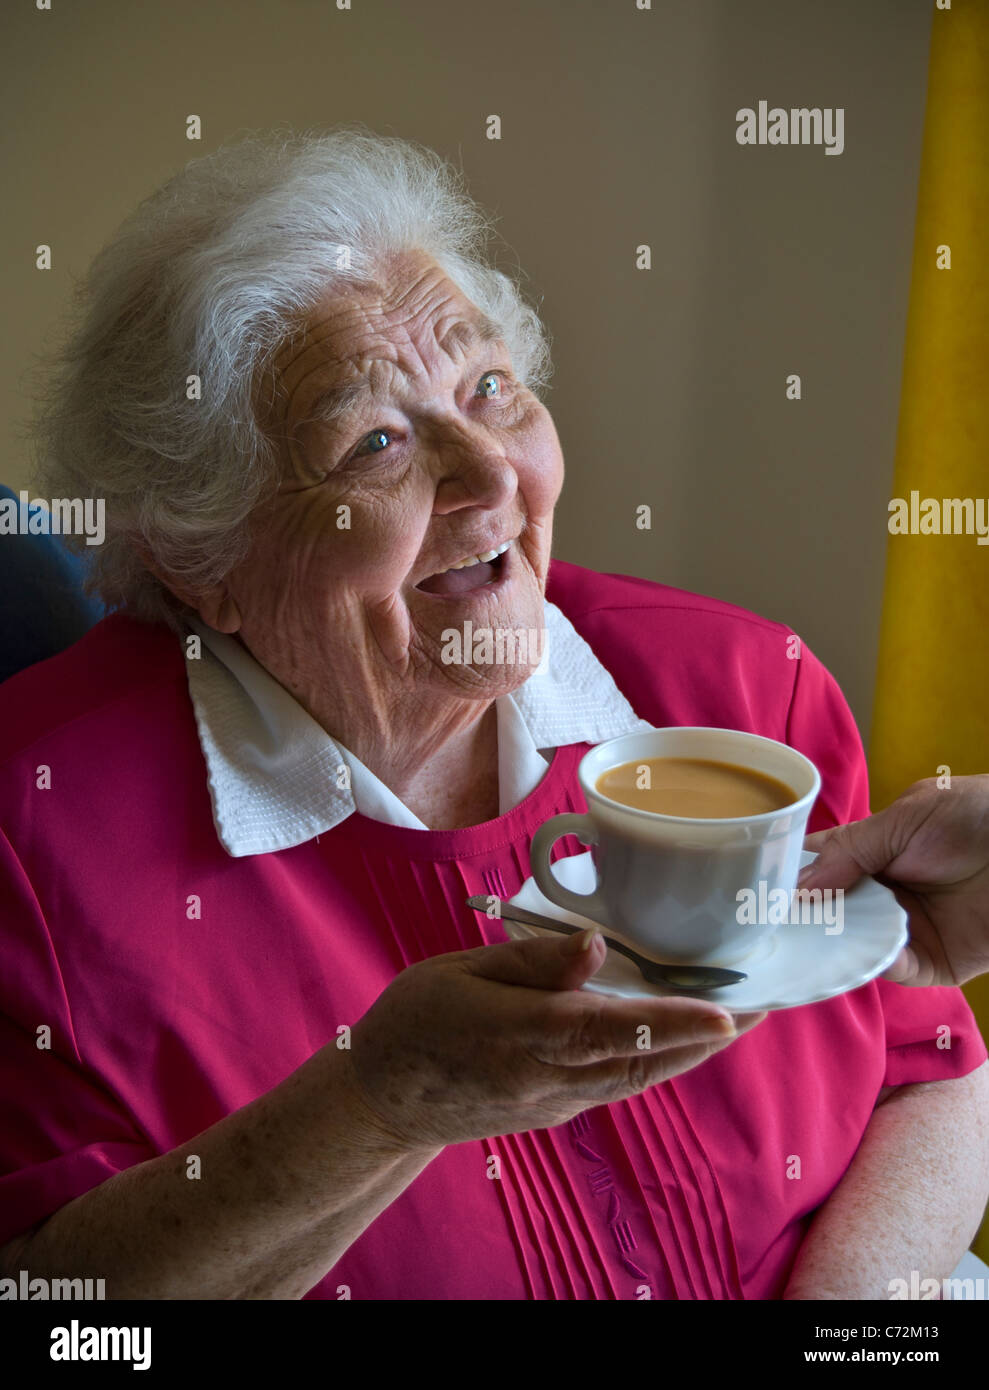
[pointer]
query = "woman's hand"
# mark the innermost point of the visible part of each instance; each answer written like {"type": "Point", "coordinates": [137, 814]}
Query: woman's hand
{"type": "Point", "coordinates": [501, 1039]}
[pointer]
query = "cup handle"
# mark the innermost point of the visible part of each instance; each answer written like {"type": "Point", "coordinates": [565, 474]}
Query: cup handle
{"type": "Point", "coordinates": [584, 904]}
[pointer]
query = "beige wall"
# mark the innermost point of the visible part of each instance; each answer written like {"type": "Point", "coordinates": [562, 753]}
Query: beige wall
{"type": "Point", "coordinates": [618, 130]}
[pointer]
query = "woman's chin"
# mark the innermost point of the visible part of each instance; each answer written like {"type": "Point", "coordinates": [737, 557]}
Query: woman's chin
{"type": "Point", "coordinates": [488, 640]}
{"type": "Point", "coordinates": [466, 673]}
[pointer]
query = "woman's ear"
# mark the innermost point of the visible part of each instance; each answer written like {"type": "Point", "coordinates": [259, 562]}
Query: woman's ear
{"type": "Point", "coordinates": [216, 607]}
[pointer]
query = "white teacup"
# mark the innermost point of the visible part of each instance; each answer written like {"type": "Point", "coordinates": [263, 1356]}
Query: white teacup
{"type": "Point", "coordinates": [668, 884]}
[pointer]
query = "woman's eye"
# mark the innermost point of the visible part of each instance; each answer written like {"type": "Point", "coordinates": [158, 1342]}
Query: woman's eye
{"type": "Point", "coordinates": [489, 380]}
{"type": "Point", "coordinates": [375, 442]}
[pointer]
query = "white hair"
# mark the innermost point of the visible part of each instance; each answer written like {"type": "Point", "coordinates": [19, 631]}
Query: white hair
{"type": "Point", "coordinates": [209, 277]}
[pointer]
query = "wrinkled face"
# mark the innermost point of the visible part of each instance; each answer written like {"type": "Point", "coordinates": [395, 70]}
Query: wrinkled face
{"type": "Point", "coordinates": [410, 450]}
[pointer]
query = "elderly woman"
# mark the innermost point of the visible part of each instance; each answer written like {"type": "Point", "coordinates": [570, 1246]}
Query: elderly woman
{"type": "Point", "coordinates": [257, 1045]}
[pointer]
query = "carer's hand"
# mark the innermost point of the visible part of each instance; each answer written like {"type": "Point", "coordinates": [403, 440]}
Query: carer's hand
{"type": "Point", "coordinates": [931, 847]}
{"type": "Point", "coordinates": [501, 1039]}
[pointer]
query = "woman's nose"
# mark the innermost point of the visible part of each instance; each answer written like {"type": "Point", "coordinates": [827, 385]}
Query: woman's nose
{"type": "Point", "coordinates": [473, 473]}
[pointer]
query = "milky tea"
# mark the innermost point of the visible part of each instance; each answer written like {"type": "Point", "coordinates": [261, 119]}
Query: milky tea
{"type": "Point", "coordinates": [679, 821]}
{"type": "Point", "coordinates": [694, 788]}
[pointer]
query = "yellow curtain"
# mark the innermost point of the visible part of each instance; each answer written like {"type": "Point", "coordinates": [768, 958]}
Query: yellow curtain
{"type": "Point", "coordinates": [932, 694]}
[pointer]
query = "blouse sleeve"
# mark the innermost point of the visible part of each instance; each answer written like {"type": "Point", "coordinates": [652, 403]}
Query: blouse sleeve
{"type": "Point", "coordinates": [63, 1131]}
{"type": "Point", "coordinates": [931, 1034]}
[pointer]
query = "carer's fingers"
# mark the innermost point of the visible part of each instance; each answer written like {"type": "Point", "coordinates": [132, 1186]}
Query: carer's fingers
{"type": "Point", "coordinates": [873, 845]}
{"type": "Point", "coordinates": [844, 854]}
{"type": "Point", "coordinates": [905, 970]}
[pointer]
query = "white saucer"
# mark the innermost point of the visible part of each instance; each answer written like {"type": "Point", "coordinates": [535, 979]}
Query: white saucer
{"type": "Point", "coordinates": [798, 964]}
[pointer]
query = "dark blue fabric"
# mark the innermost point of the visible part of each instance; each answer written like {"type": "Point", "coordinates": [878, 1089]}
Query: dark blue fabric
{"type": "Point", "coordinates": [42, 605]}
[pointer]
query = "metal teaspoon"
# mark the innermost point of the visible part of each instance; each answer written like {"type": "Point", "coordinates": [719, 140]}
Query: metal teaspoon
{"type": "Point", "coordinates": [683, 977]}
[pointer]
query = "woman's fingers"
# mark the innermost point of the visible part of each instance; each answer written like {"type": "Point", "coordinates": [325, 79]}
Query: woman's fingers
{"type": "Point", "coordinates": [577, 1030]}
{"type": "Point", "coordinates": [624, 1076]}
{"type": "Point", "coordinates": [570, 1027]}
{"type": "Point", "coordinates": [563, 1026]}
{"type": "Point", "coordinates": [630, 1076]}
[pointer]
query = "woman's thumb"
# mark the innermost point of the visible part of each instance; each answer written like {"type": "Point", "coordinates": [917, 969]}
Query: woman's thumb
{"type": "Point", "coordinates": [544, 962]}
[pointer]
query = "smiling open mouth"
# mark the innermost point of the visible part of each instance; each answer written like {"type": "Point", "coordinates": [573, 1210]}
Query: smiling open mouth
{"type": "Point", "coordinates": [470, 575]}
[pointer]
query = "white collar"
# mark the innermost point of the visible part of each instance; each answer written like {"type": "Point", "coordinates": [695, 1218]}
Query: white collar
{"type": "Point", "coordinates": [277, 779]}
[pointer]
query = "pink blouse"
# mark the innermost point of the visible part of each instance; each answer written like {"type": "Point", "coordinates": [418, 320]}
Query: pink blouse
{"type": "Point", "coordinates": [162, 1023]}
